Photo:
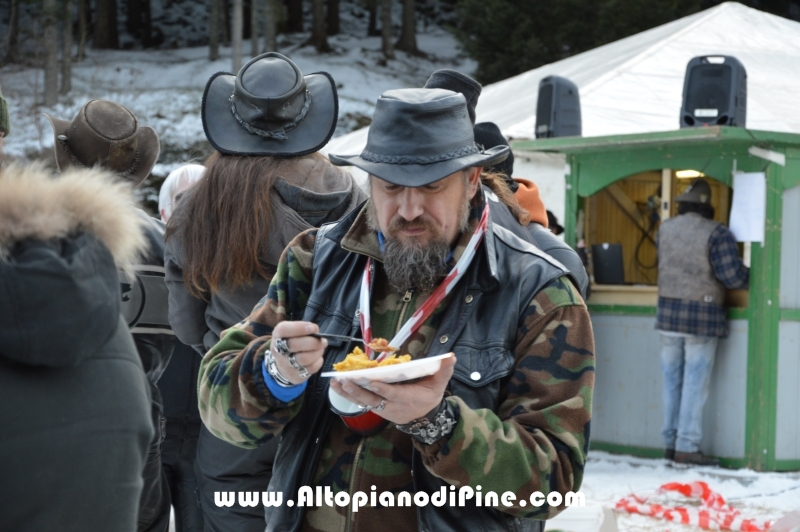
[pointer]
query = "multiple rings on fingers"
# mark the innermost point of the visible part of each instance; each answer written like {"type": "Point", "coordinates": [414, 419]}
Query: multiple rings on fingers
{"type": "Point", "coordinates": [301, 369]}
{"type": "Point", "coordinates": [281, 346]}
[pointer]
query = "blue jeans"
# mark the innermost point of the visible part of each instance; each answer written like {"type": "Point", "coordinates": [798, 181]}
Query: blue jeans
{"type": "Point", "coordinates": [686, 363]}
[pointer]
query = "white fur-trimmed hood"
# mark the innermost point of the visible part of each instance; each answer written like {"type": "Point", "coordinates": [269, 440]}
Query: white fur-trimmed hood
{"type": "Point", "coordinates": [36, 204]}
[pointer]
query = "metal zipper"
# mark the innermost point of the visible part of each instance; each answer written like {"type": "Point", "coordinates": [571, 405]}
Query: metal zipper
{"type": "Point", "coordinates": [406, 300]}
{"type": "Point", "coordinates": [352, 483]}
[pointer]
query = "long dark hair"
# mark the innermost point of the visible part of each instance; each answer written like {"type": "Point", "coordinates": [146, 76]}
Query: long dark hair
{"type": "Point", "coordinates": [224, 221]}
{"type": "Point", "coordinates": [499, 185]}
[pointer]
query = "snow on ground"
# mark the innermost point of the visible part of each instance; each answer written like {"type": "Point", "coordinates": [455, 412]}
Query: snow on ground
{"type": "Point", "coordinates": [610, 477]}
{"type": "Point", "coordinates": [164, 87]}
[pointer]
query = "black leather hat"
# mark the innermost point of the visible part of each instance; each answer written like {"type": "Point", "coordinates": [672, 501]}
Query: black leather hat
{"type": "Point", "coordinates": [698, 192]}
{"type": "Point", "coordinates": [419, 136]}
{"type": "Point", "coordinates": [489, 134]}
{"type": "Point", "coordinates": [455, 81]}
{"type": "Point", "coordinates": [108, 135]}
{"type": "Point", "coordinates": [270, 108]}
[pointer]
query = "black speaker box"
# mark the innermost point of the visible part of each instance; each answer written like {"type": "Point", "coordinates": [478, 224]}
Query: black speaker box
{"type": "Point", "coordinates": [607, 262]}
{"type": "Point", "coordinates": [558, 108]}
{"type": "Point", "coordinates": [714, 92]}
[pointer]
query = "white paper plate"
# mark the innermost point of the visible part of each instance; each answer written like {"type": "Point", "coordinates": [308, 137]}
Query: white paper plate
{"type": "Point", "coordinates": [422, 367]}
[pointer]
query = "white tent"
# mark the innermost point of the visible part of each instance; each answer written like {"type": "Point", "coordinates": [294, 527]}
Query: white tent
{"type": "Point", "coordinates": [635, 85]}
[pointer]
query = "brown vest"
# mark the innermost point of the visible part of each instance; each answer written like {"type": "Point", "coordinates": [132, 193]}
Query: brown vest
{"type": "Point", "coordinates": [684, 268]}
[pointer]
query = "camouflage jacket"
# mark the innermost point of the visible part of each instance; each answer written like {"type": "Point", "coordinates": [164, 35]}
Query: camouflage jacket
{"type": "Point", "coordinates": [534, 440]}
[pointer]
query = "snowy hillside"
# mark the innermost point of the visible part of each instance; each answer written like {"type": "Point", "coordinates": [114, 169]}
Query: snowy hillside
{"type": "Point", "coordinates": [164, 87]}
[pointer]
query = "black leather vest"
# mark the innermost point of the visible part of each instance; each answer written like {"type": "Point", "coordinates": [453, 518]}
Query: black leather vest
{"type": "Point", "coordinates": [480, 326]}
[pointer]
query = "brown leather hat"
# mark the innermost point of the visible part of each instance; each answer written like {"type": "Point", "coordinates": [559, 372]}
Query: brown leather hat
{"type": "Point", "coordinates": [108, 135]}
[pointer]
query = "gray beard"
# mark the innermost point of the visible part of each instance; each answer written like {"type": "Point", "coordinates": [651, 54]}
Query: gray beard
{"type": "Point", "coordinates": [413, 267]}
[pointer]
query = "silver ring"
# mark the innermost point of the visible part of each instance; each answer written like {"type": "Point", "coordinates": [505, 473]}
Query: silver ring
{"type": "Point", "coordinates": [281, 346]}
{"type": "Point", "coordinates": [380, 406]}
{"type": "Point", "coordinates": [304, 374]}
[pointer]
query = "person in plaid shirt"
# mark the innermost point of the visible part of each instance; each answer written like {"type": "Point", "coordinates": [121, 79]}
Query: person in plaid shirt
{"type": "Point", "coordinates": [698, 260]}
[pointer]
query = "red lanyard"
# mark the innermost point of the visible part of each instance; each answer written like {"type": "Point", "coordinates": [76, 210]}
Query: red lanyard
{"type": "Point", "coordinates": [437, 296]}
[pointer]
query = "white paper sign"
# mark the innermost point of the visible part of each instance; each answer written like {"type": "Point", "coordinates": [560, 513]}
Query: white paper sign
{"type": "Point", "coordinates": [749, 209]}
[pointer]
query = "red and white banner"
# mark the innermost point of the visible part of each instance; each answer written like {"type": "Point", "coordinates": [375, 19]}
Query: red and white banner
{"type": "Point", "coordinates": [712, 514]}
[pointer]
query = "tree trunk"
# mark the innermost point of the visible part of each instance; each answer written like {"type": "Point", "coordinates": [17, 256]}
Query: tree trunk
{"type": "Point", "coordinates": [66, 52]}
{"type": "Point", "coordinates": [333, 17]}
{"type": "Point", "coordinates": [83, 24]}
{"type": "Point", "coordinates": [271, 14]}
{"type": "Point", "coordinates": [295, 16]}
{"type": "Point", "coordinates": [226, 25]}
{"type": "Point", "coordinates": [236, 35]}
{"type": "Point", "coordinates": [105, 25]}
{"type": "Point", "coordinates": [254, 27]}
{"type": "Point", "coordinates": [213, 30]}
{"type": "Point", "coordinates": [147, 24]}
{"type": "Point", "coordinates": [13, 33]}
{"type": "Point", "coordinates": [318, 36]}
{"type": "Point", "coordinates": [372, 7]}
{"type": "Point", "coordinates": [50, 53]}
{"type": "Point", "coordinates": [408, 35]}
{"type": "Point", "coordinates": [386, 29]}
{"type": "Point", "coordinates": [133, 23]}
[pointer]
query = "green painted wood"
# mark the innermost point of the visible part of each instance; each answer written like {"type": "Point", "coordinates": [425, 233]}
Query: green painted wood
{"type": "Point", "coordinates": [762, 360]}
{"type": "Point", "coordinates": [644, 452]}
{"type": "Point", "coordinates": [787, 465]}
{"type": "Point", "coordinates": [791, 174]}
{"type": "Point", "coordinates": [650, 452]}
{"type": "Point", "coordinates": [790, 314]}
{"type": "Point", "coordinates": [677, 136]}
{"type": "Point", "coordinates": [596, 162]}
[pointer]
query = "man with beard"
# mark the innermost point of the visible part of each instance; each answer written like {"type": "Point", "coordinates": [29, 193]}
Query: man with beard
{"type": "Point", "coordinates": [421, 263]}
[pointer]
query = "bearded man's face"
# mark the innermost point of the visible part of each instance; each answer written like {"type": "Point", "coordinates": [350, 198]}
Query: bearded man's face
{"type": "Point", "coordinates": [420, 226]}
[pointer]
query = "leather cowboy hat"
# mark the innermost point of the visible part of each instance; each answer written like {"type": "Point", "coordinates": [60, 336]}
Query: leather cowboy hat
{"type": "Point", "coordinates": [108, 135]}
{"type": "Point", "coordinates": [698, 192]}
{"type": "Point", "coordinates": [269, 108]}
{"type": "Point", "coordinates": [419, 136]}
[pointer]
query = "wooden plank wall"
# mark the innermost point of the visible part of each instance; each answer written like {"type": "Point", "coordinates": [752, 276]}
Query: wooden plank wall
{"type": "Point", "coordinates": [608, 221]}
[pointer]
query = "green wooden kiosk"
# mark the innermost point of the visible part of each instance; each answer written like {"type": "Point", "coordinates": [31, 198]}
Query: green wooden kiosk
{"type": "Point", "coordinates": [614, 186]}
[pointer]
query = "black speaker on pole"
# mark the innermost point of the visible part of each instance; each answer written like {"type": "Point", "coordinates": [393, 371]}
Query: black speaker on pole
{"type": "Point", "coordinates": [558, 108]}
{"type": "Point", "coordinates": [714, 92]}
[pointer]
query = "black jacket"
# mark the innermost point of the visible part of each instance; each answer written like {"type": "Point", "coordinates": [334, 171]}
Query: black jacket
{"type": "Point", "coordinates": [76, 417]}
{"type": "Point", "coordinates": [503, 278]}
{"type": "Point", "coordinates": [542, 238]}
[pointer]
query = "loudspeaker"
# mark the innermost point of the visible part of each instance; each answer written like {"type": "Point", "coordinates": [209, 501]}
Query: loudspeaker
{"type": "Point", "coordinates": [714, 92]}
{"type": "Point", "coordinates": [558, 108]}
{"type": "Point", "coordinates": [607, 262]}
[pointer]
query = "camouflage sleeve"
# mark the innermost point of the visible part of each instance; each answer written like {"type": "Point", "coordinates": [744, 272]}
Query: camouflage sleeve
{"type": "Point", "coordinates": [538, 439]}
{"type": "Point", "coordinates": [235, 403]}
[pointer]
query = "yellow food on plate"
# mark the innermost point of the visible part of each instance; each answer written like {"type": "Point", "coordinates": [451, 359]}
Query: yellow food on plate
{"type": "Point", "coordinates": [359, 360]}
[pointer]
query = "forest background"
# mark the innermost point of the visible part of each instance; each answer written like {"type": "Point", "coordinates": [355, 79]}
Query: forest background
{"type": "Point", "coordinates": [496, 39]}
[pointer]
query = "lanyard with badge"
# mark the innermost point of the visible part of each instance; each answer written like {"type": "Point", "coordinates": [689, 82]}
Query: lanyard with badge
{"type": "Point", "coordinates": [370, 422]}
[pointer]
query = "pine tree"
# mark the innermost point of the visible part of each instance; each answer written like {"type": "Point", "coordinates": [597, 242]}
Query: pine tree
{"type": "Point", "coordinates": [319, 37]}
{"type": "Point", "coordinates": [237, 27]}
{"type": "Point", "coordinates": [66, 51]}
{"type": "Point", "coordinates": [408, 34]}
{"type": "Point", "coordinates": [386, 29]}
{"type": "Point", "coordinates": [49, 13]}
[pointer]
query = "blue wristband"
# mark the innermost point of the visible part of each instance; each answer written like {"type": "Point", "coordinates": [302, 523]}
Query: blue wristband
{"type": "Point", "coordinates": [279, 392]}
